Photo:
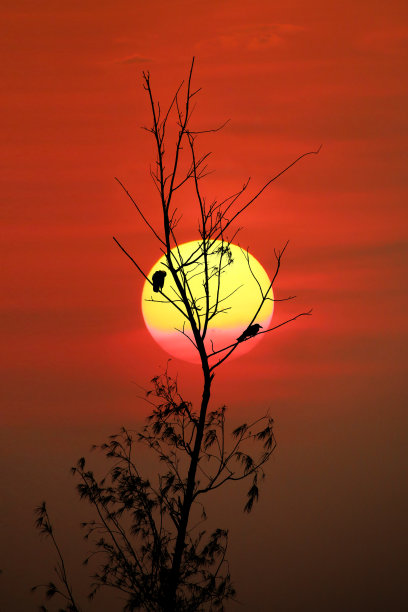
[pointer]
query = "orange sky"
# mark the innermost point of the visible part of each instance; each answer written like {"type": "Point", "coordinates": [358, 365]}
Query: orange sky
{"type": "Point", "coordinates": [290, 76]}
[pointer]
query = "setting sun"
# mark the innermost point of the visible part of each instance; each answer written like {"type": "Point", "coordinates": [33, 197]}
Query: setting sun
{"type": "Point", "coordinates": [239, 299]}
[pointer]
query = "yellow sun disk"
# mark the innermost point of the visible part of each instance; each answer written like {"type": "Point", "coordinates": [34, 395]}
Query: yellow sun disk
{"type": "Point", "coordinates": [239, 295]}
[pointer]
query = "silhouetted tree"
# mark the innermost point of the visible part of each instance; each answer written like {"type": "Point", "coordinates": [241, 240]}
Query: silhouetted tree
{"type": "Point", "coordinates": [149, 534]}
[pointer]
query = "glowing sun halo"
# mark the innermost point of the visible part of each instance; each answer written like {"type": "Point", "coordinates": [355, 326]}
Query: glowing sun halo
{"type": "Point", "coordinates": [239, 294]}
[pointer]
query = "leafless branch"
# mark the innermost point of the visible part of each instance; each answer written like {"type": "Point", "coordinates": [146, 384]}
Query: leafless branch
{"type": "Point", "coordinates": [139, 211]}
{"type": "Point", "coordinates": [233, 346]}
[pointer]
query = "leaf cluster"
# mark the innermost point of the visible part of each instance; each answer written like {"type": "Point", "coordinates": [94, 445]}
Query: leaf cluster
{"type": "Point", "coordinates": [133, 532]}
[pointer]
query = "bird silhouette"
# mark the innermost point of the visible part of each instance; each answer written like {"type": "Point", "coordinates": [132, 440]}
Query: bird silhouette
{"type": "Point", "coordinates": [250, 332]}
{"type": "Point", "coordinates": [158, 280]}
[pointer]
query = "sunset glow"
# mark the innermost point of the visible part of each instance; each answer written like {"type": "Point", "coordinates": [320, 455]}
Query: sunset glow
{"type": "Point", "coordinates": [80, 341]}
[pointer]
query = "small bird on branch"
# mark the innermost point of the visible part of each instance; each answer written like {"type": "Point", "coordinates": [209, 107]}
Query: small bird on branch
{"type": "Point", "coordinates": [250, 332]}
{"type": "Point", "coordinates": [158, 280]}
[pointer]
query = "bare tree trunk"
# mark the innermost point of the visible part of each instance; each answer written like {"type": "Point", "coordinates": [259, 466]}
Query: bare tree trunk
{"type": "Point", "coordinates": [170, 605]}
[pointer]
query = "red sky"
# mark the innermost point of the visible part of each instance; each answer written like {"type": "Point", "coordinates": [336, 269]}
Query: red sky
{"type": "Point", "coordinates": [328, 533]}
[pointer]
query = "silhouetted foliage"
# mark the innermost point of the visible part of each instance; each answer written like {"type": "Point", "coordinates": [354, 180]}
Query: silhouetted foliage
{"type": "Point", "coordinates": [148, 540]}
{"type": "Point", "coordinates": [151, 512]}
{"type": "Point", "coordinates": [63, 589]}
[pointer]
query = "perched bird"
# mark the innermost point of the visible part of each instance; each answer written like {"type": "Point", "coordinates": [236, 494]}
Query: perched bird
{"type": "Point", "coordinates": [158, 280]}
{"type": "Point", "coordinates": [250, 332]}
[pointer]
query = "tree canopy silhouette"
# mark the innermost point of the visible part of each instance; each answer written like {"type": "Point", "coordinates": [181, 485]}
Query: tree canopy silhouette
{"type": "Point", "coordinates": [149, 536]}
